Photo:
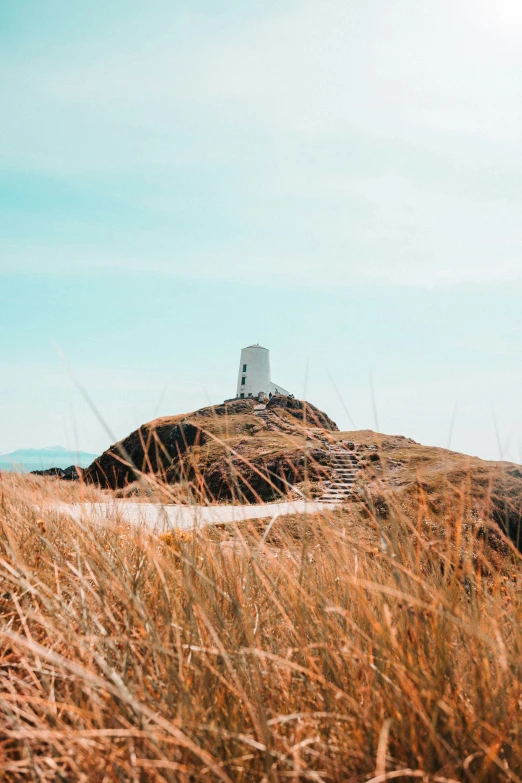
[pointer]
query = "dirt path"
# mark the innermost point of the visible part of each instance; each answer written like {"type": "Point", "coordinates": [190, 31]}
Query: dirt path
{"type": "Point", "coordinates": [160, 517]}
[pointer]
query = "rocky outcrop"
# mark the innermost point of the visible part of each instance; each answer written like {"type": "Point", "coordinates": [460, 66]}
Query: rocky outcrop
{"type": "Point", "coordinates": [264, 478]}
{"type": "Point", "coordinates": [306, 413]}
{"type": "Point", "coordinates": [230, 408]}
{"type": "Point", "coordinates": [153, 448]}
{"type": "Point", "coordinates": [223, 451]}
{"type": "Point", "coordinates": [72, 473]}
{"type": "Point", "coordinates": [506, 502]}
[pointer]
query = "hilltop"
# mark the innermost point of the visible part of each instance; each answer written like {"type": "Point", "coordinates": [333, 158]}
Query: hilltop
{"type": "Point", "coordinates": [230, 453]}
{"type": "Point", "coordinates": [223, 452]}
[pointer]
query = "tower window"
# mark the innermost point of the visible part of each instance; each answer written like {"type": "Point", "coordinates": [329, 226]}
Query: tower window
{"type": "Point", "coordinates": [244, 368]}
{"type": "Point", "coordinates": [242, 394]}
{"type": "Point", "coordinates": [243, 381]}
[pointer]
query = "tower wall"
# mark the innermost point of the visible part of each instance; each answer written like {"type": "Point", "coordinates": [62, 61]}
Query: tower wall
{"type": "Point", "coordinates": [254, 368]}
{"type": "Point", "coordinates": [254, 373]}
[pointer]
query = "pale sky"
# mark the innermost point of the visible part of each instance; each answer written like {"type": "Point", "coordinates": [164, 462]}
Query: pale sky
{"type": "Point", "coordinates": [338, 181]}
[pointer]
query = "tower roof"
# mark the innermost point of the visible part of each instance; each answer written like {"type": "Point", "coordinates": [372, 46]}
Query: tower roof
{"type": "Point", "coordinates": [256, 346]}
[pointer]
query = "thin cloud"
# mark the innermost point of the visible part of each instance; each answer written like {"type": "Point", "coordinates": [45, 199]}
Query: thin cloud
{"type": "Point", "coordinates": [301, 138]}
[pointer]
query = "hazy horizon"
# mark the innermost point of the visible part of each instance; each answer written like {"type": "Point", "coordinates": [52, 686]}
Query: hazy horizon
{"type": "Point", "coordinates": [29, 459]}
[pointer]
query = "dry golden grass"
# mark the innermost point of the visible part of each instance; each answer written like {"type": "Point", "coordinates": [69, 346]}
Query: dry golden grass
{"type": "Point", "coordinates": [352, 646]}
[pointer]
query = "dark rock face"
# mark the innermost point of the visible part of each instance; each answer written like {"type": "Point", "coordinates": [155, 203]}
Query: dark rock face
{"type": "Point", "coordinates": [169, 448]}
{"type": "Point", "coordinates": [506, 504]}
{"type": "Point", "coordinates": [53, 472]}
{"type": "Point", "coordinates": [304, 411]}
{"type": "Point", "coordinates": [149, 449]}
{"type": "Point", "coordinates": [72, 473]}
{"type": "Point", "coordinates": [264, 480]}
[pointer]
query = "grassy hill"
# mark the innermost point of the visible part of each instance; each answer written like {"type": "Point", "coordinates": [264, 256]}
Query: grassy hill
{"type": "Point", "coordinates": [226, 453]}
{"type": "Point", "coordinates": [399, 473]}
{"type": "Point", "coordinates": [220, 453]}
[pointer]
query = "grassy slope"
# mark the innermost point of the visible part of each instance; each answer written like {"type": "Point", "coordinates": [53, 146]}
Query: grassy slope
{"type": "Point", "coordinates": [396, 470]}
{"type": "Point", "coordinates": [200, 455]}
{"type": "Point", "coordinates": [332, 648]}
{"type": "Point", "coordinates": [407, 473]}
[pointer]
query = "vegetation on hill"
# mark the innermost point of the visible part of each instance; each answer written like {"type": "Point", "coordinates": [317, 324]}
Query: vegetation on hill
{"type": "Point", "coordinates": [362, 644]}
{"type": "Point", "coordinates": [225, 453]}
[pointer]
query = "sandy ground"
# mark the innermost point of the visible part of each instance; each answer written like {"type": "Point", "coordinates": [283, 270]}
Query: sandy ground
{"type": "Point", "coordinates": [160, 517]}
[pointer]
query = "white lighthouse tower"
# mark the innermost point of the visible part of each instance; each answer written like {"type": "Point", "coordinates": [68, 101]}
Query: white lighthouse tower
{"type": "Point", "coordinates": [254, 377]}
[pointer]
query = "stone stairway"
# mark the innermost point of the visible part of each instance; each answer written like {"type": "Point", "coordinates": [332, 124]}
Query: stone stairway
{"type": "Point", "coordinates": [344, 463]}
{"type": "Point", "coordinates": [275, 422]}
{"type": "Point", "coordinates": [266, 416]}
{"type": "Point", "coordinates": [345, 466]}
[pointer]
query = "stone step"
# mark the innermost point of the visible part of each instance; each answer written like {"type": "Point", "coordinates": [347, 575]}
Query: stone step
{"type": "Point", "coordinates": [341, 490]}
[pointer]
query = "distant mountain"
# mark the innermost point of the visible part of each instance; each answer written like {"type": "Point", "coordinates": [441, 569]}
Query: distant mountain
{"type": "Point", "coordinates": [26, 460]}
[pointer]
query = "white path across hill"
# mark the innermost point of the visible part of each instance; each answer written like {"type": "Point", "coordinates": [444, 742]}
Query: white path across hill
{"type": "Point", "coordinates": [160, 517]}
